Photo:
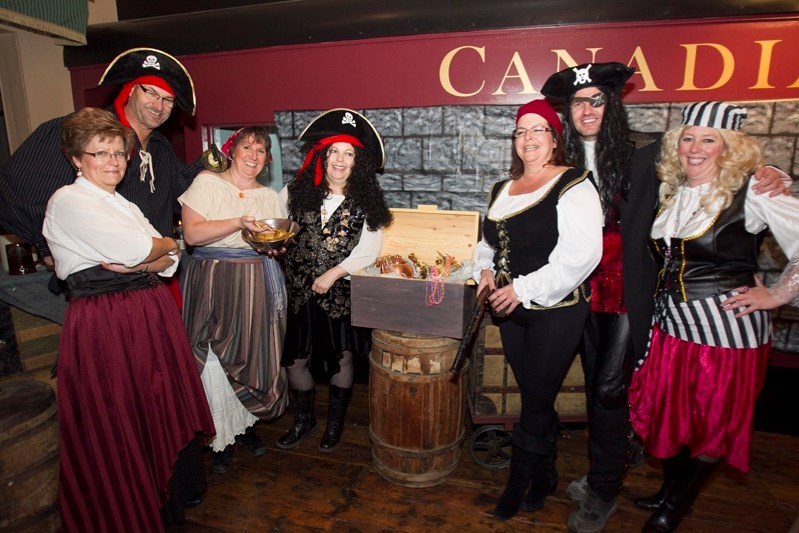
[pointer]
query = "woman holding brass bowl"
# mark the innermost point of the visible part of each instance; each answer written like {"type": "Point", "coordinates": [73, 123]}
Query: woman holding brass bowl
{"type": "Point", "coordinates": [542, 238]}
{"type": "Point", "coordinates": [129, 420]}
{"type": "Point", "coordinates": [235, 298]}
{"type": "Point", "coordinates": [340, 208]}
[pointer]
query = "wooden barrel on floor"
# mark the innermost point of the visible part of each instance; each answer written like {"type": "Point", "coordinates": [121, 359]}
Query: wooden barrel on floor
{"type": "Point", "coordinates": [416, 407]}
{"type": "Point", "coordinates": [28, 457]}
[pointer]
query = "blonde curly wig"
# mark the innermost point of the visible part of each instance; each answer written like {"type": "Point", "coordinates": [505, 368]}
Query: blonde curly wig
{"type": "Point", "coordinates": [739, 158]}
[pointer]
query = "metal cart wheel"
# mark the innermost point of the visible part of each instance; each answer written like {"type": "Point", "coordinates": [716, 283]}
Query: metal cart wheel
{"type": "Point", "coordinates": [491, 447]}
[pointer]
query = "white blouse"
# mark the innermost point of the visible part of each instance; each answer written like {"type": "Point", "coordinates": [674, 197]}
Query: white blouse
{"type": "Point", "coordinates": [216, 199]}
{"type": "Point", "coordinates": [84, 224]}
{"type": "Point", "coordinates": [686, 217]}
{"type": "Point", "coordinates": [576, 253]}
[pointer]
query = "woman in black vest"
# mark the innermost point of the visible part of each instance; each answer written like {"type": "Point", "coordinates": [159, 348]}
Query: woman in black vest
{"type": "Point", "coordinates": [692, 397]}
{"type": "Point", "coordinates": [340, 208]}
{"type": "Point", "coordinates": [542, 237]}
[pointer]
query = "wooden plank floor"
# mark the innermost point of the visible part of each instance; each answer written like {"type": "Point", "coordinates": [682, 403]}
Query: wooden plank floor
{"type": "Point", "coordinates": [304, 490]}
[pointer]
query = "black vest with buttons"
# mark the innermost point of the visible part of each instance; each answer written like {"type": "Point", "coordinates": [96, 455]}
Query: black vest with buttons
{"type": "Point", "coordinates": [532, 233]}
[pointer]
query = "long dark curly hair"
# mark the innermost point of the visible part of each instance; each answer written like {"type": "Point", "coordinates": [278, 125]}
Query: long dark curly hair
{"type": "Point", "coordinates": [362, 188]}
{"type": "Point", "coordinates": [613, 151]}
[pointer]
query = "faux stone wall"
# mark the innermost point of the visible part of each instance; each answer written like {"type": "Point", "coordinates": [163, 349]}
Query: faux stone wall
{"type": "Point", "coordinates": [450, 156]}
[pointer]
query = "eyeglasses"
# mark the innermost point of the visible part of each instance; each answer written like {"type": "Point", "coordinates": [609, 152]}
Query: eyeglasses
{"type": "Point", "coordinates": [595, 100]}
{"type": "Point", "coordinates": [537, 130]}
{"type": "Point", "coordinates": [105, 157]}
{"type": "Point", "coordinates": [153, 96]}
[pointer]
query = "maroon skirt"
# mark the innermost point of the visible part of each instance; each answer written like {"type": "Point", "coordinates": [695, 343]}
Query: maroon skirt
{"type": "Point", "coordinates": [702, 397]}
{"type": "Point", "coordinates": [129, 400]}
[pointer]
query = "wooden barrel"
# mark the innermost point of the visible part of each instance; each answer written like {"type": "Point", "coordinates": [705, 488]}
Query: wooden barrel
{"type": "Point", "coordinates": [28, 457]}
{"type": "Point", "coordinates": [416, 407]}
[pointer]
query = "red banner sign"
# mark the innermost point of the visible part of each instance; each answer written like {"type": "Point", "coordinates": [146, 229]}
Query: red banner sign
{"type": "Point", "coordinates": [738, 59]}
{"type": "Point", "coordinates": [687, 61]}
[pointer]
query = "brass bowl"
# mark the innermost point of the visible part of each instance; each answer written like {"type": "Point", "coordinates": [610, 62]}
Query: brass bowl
{"type": "Point", "coordinates": [284, 231]}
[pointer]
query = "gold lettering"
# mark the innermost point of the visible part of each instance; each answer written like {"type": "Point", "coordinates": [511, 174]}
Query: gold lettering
{"type": "Point", "coordinates": [728, 66]}
{"type": "Point", "coordinates": [766, 48]}
{"type": "Point", "coordinates": [569, 60]}
{"type": "Point", "coordinates": [446, 64]}
{"type": "Point", "coordinates": [521, 74]}
{"type": "Point", "coordinates": [643, 69]}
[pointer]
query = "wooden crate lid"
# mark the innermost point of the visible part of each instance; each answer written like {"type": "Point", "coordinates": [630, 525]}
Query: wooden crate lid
{"type": "Point", "coordinates": [426, 231]}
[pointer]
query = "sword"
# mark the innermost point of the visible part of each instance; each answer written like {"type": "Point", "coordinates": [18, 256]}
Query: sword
{"type": "Point", "coordinates": [471, 327]}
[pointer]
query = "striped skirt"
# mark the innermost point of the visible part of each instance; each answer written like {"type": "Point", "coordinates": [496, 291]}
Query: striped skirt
{"type": "Point", "coordinates": [238, 307]}
{"type": "Point", "coordinates": [700, 380]}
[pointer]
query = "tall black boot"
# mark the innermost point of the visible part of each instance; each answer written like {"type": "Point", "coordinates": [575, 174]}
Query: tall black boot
{"type": "Point", "coordinates": [304, 418]}
{"type": "Point", "coordinates": [337, 407]}
{"type": "Point", "coordinates": [672, 471]}
{"type": "Point", "coordinates": [680, 498]}
{"type": "Point", "coordinates": [522, 463]}
{"type": "Point", "coordinates": [544, 479]}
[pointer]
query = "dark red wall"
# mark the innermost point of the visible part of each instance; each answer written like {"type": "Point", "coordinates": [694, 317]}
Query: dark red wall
{"type": "Point", "coordinates": [248, 86]}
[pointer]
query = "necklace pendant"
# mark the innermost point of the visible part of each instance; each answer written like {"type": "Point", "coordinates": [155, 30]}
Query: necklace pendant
{"type": "Point", "coordinates": [241, 194]}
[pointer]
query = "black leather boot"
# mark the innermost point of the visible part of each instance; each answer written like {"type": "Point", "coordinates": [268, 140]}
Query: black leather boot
{"type": "Point", "coordinates": [222, 460]}
{"type": "Point", "coordinates": [337, 407]}
{"type": "Point", "coordinates": [544, 479]}
{"type": "Point", "coordinates": [251, 442]}
{"type": "Point", "coordinates": [681, 498]}
{"type": "Point", "coordinates": [522, 464]}
{"type": "Point", "coordinates": [304, 418]}
{"type": "Point", "coordinates": [672, 470]}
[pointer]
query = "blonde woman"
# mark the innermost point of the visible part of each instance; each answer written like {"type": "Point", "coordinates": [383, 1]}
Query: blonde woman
{"type": "Point", "coordinates": [692, 397]}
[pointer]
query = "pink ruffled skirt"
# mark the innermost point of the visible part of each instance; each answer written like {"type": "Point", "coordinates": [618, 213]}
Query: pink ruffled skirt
{"type": "Point", "coordinates": [699, 396]}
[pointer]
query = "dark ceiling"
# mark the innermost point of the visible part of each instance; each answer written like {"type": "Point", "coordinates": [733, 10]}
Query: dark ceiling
{"type": "Point", "coordinates": [199, 26]}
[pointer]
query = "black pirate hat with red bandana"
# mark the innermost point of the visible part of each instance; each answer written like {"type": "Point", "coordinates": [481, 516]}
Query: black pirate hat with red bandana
{"type": "Point", "coordinates": [151, 67]}
{"type": "Point", "coordinates": [340, 125]}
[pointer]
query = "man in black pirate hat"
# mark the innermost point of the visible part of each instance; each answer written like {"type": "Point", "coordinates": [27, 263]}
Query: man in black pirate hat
{"type": "Point", "coordinates": [153, 83]}
{"type": "Point", "coordinates": [596, 136]}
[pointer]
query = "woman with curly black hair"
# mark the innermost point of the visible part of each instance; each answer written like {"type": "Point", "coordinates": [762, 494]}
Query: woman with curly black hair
{"type": "Point", "coordinates": [341, 211]}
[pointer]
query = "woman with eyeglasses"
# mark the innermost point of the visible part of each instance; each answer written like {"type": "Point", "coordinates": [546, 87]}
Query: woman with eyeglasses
{"type": "Point", "coordinates": [130, 402]}
{"type": "Point", "coordinates": [542, 237]}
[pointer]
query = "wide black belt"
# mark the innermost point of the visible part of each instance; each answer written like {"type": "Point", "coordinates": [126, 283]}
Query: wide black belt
{"type": "Point", "coordinates": [97, 280]}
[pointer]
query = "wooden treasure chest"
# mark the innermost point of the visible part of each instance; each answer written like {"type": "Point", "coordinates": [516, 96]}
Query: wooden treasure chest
{"type": "Point", "coordinates": [432, 306]}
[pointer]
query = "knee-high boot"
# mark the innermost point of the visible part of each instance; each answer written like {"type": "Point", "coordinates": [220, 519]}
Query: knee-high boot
{"type": "Point", "coordinates": [544, 479]}
{"type": "Point", "coordinates": [527, 449]}
{"type": "Point", "coordinates": [680, 498]}
{"type": "Point", "coordinates": [336, 409]}
{"type": "Point", "coordinates": [672, 471]}
{"type": "Point", "coordinates": [302, 403]}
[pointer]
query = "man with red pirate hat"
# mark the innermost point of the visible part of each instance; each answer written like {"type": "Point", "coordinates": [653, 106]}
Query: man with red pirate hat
{"type": "Point", "coordinates": [153, 83]}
